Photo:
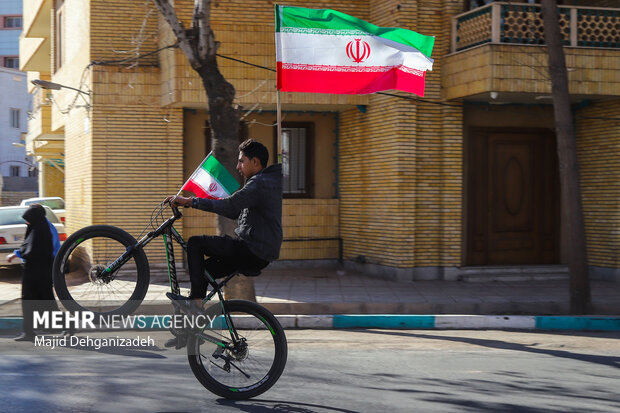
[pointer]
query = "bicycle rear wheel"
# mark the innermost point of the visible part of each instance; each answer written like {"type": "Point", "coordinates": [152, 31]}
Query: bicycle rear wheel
{"type": "Point", "coordinates": [252, 366]}
{"type": "Point", "coordinates": [80, 277]}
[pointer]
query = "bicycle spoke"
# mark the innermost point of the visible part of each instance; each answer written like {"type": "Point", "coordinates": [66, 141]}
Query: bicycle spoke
{"type": "Point", "coordinates": [82, 281]}
{"type": "Point", "coordinates": [248, 363]}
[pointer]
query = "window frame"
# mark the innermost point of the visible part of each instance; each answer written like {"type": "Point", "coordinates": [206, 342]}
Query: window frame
{"type": "Point", "coordinates": [14, 114]}
{"type": "Point", "coordinates": [309, 170]}
{"type": "Point", "coordinates": [59, 30]}
{"type": "Point", "coordinates": [14, 169]}
{"type": "Point", "coordinates": [6, 59]}
{"type": "Point", "coordinates": [7, 17]}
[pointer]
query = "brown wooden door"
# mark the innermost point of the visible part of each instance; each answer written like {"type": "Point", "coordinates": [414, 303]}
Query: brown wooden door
{"type": "Point", "coordinates": [513, 208]}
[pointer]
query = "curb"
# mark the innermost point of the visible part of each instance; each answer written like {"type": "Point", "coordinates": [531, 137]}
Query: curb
{"type": "Point", "coordinates": [412, 321]}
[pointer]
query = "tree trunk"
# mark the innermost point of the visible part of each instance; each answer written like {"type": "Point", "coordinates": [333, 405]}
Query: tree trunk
{"type": "Point", "coordinates": [572, 210]}
{"type": "Point", "coordinates": [199, 46]}
{"type": "Point", "coordinates": [224, 120]}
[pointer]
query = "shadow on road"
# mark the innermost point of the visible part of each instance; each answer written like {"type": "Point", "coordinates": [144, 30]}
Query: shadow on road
{"type": "Point", "coordinates": [12, 274]}
{"type": "Point", "coordinates": [611, 361]}
{"type": "Point", "coordinates": [264, 406]}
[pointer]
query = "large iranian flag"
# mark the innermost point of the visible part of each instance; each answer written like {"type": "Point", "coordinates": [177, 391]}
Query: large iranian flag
{"type": "Point", "coordinates": [211, 180]}
{"type": "Point", "coordinates": [325, 51]}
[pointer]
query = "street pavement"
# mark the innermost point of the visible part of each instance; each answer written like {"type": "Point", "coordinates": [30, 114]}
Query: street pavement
{"type": "Point", "coordinates": [342, 371]}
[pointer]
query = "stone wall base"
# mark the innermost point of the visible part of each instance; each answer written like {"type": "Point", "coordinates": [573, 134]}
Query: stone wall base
{"type": "Point", "coordinates": [11, 198]}
{"type": "Point", "coordinates": [467, 274]}
{"type": "Point", "coordinates": [604, 273]}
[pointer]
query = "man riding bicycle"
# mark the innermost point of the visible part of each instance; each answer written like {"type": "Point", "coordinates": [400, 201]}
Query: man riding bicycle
{"type": "Point", "coordinates": [258, 209]}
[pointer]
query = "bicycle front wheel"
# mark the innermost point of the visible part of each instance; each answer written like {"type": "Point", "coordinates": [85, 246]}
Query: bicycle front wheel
{"type": "Point", "coordinates": [81, 273]}
{"type": "Point", "coordinates": [243, 367]}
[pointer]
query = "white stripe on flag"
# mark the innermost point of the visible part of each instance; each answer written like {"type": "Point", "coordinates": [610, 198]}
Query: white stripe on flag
{"type": "Point", "coordinates": [209, 184]}
{"type": "Point", "coordinates": [301, 48]}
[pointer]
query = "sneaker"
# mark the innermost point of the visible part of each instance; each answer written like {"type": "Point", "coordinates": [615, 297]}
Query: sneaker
{"type": "Point", "coordinates": [67, 333]}
{"type": "Point", "coordinates": [185, 304]}
{"type": "Point", "coordinates": [25, 337]}
{"type": "Point", "coordinates": [178, 342]}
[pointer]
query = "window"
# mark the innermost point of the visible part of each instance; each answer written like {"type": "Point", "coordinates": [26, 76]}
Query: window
{"type": "Point", "coordinates": [14, 118]}
{"type": "Point", "coordinates": [33, 172]}
{"type": "Point", "coordinates": [59, 35]}
{"type": "Point", "coordinates": [11, 62]}
{"type": "Point", "coordinates": [14, 170]}
{"type": "Point", "coordinates": [12, 22]}
{"type": "Point", "coordinates": [296, 161]}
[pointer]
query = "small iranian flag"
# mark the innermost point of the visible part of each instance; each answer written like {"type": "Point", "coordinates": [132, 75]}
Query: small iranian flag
{"type": "Point", "coordinates": [211, 180]}
{"type": "Point", "coordinates": [325, 51]}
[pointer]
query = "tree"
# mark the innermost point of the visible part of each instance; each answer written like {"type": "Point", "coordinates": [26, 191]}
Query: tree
{"type": "Point", "coordinates": [199, 46]}
{"type": "Point", "coordinates": [580, 302]}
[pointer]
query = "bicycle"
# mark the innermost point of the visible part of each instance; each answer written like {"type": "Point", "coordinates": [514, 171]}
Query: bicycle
{"type": "Point", "coordinates": [240, 354]}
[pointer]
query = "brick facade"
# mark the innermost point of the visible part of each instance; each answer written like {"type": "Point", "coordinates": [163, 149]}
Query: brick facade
{"type": "Point", "coordinates": [598, 146]}
{"type": "Point", "coordinates": [389, 172]}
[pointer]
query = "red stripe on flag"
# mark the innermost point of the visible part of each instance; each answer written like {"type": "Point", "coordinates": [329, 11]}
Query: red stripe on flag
{"type": "Point", "coordinates": [192, 186]}
{"type": "Point", "coordinates": [358, 83]}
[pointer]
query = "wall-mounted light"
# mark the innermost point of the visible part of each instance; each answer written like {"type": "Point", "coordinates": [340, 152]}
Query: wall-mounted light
{"type": "Point", "coordinates": [55, 86]}
{"type": "Point", "coordinates": [44, 84]}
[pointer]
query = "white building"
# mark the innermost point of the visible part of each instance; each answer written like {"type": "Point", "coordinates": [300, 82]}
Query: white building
{"type": "Point", "coordinates": [15, 102]}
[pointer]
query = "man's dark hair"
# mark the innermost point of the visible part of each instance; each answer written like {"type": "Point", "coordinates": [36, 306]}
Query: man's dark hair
{"type": "Point", "coordinates": [253, 149]}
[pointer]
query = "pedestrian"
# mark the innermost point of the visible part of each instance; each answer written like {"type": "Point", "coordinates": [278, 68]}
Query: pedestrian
{"type": "Point", "coordinates": [258, 209]}
{"type": "Point", "coordinates": [38, 249]}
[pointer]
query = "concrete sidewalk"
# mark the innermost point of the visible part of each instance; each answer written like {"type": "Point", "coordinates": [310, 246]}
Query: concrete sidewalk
{"type": "Point", "coordinates": [300, 292]}
{"type": "Point", "coordinates": [329, 291]}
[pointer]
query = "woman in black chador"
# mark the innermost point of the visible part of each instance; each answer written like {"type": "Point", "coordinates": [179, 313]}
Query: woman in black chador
{"type": "Point", "coordinates": [37, 251]}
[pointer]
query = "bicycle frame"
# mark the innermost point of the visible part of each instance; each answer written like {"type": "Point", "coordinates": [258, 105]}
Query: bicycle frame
{"type": "Point", "coordinates": [167, 230]}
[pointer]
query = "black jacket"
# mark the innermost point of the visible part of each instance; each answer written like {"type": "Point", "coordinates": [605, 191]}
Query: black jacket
{"type": "Point", "coordinates": [258, 208]}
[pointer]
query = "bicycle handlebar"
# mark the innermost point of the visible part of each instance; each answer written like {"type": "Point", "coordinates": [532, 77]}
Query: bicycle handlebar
{"type": "Point", "coordinates": [177, 213]}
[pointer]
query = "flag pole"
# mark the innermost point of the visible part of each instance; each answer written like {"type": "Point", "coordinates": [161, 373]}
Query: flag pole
{"type": "Point", "coordinates": [279, 121]}
{"type": "Point", "coordinates": [194, 173]}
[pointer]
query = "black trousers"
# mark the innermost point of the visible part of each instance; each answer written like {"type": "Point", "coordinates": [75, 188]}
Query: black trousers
{"type": "Point", "coordinates": [225, 254]}
{"type": "Point", "coordinates": [37, 295]}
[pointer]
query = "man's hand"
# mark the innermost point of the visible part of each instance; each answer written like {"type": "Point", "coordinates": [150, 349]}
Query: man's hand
{"type": "Point", "coordinates": [177, 201]}
{"type": "Point", "coordinates": [11, 257]}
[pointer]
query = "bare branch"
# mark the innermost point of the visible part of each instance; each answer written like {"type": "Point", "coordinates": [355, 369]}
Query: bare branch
{"type": "Point", "coordinates": [186, 43]}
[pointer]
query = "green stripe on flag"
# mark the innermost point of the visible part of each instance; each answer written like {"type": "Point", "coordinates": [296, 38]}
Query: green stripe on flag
{"type": "Point", "coordinates": [217, 170]}
{"type": "Point", "coordinates": [326, 19]}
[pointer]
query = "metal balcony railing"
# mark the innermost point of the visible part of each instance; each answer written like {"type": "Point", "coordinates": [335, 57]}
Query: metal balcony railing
{"type": "Point", "coordinates": [521, 23]}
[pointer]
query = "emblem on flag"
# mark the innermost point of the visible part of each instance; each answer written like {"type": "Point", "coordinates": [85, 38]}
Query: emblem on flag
{"type": "Point", "coordinates": [211, 180]}
{"type": "Point", "coordinates": [358, 50]}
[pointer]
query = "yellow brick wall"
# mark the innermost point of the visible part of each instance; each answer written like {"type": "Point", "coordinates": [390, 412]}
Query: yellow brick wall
{"type": "Point", "coordinates": [523, 69]}
{"type": "Point", "coordinates": [132, 31]}
{"type": "Point", "coordinates": [53, 179]}
{"type": "Point", "coordinates": [136, 157]}
{"type": "Point", "coordinates": [310, 218]}
{"type": "Point", "coordinates": [598, 146]}
{"type": "Point", "coordinates": [401, 163]}
{"type": "Point", "coordinates": [77, 57]}
{"type": "Point", "coordinates": [125, 154]}
{"type": "Point", "coordinates": [78, 170]}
